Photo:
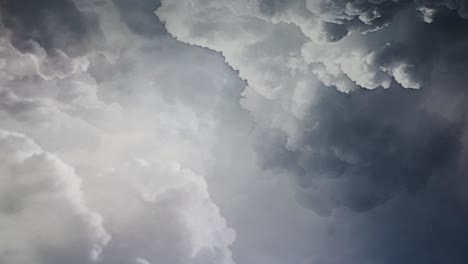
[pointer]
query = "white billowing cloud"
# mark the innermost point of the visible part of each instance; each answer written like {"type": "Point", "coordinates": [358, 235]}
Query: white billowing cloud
{"type": "Point", "coordinates": [286, 49]}
{"type": "Point", "coordinates": [42, 208]}
{"type": "Point", "coordinates": [137, 129]}
{"type": "Point", "coordinates": [169, 215]}
{"type": "Point", "coordinates": [272, 43]}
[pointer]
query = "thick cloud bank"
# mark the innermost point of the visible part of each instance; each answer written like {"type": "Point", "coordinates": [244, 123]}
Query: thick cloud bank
{"type": "Point", "coordinates": [348, 146]}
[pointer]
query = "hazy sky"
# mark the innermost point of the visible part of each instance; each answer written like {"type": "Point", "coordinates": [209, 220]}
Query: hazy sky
{"type": "Point", "coordinates": [233, 131]}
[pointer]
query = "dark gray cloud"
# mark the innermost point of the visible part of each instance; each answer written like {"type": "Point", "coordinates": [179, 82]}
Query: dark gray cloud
{"type": "Point", "coordinates": [424, 228]}
{"type": "Point", "coordinates": [362, 148]}
{"type": "Point", "coordinates": [54, 24]}
{"type": "Point", "coordinates": [139, 16]}
{"type": "Point", "coordinates": [366, 147]}
{"type": "Point", "coordinates": [55, 34]}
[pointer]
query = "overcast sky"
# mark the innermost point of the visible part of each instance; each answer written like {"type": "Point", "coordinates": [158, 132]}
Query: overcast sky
{"type": "Point", "coordinates": [233, 131]}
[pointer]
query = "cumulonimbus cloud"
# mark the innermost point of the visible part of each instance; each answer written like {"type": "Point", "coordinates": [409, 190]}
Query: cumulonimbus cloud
{"type": "Point", "coordinates": [355, 148]}
{"type": "Point", "coordinates": [345, 104]}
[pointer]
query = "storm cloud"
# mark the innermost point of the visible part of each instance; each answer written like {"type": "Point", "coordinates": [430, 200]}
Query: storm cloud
{"type": "Point", "coordinates": [115, 190]}
{"type": "Point", "coordinates": [249, 131]}
{"type": "Point", "coordinates": [354, 147]}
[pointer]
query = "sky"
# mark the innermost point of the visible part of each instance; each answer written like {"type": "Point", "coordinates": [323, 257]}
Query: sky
{"type": "Point", "coordinates": [233, 132]}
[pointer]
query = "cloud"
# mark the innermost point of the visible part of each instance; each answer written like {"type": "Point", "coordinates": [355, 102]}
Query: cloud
{"type": "Point", "coordinates": [141, 261]}
{"type": "Point", "coordinates": [43, 209]}
{"type": "Point", "coordinates": [307, 51]}
{"type": "Point", "coordinates": [356, 148]}
{"type": "Point", "coordinates": [138, 17]}
{"type": "Point", "coordinates": [459, 6]}
{"type": "Point", "coordinates": [387, 54]}
{"type": "Point", "coordinates": [342, 108]}
{"type": "Point", "coordinates": [130, 130]}
{"type": "Point", "coordinates": [52, 24]}
{"type": "Point", "coordinates": [169, 215]}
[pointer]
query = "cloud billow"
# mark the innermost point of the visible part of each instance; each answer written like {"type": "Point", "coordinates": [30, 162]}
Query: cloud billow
{"type": "Point", "coordinates": [125, 181]}
{"type": "Point", "coordinates": [357, 148]}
